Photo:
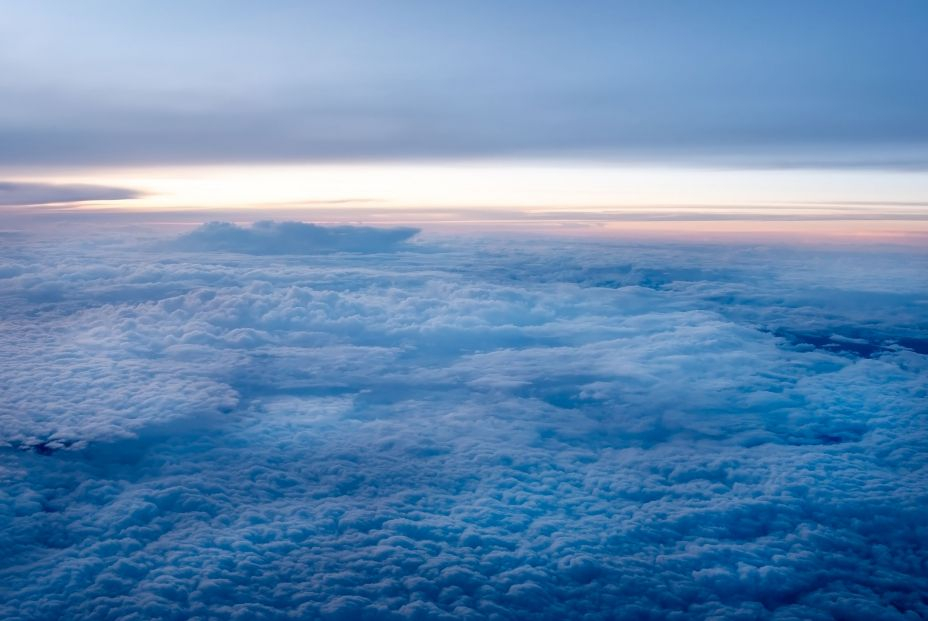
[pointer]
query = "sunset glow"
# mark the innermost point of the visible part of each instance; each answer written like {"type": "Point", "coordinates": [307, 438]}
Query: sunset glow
{"type": "Point", "coordinates": [616, 197]}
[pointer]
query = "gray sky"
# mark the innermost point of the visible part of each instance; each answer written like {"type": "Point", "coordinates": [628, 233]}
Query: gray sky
{"type": "Point", "coordinates": [747, 84]}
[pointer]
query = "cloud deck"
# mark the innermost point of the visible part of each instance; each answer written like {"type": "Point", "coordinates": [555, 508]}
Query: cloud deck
{"type": "Point", "coordinates": [475, 431]}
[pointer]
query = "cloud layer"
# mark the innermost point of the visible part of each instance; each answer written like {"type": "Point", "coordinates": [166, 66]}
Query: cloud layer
{"type": "Point", "coordinates": [486, 430]}
{"type": "Point", "coordinates": [738, 85]}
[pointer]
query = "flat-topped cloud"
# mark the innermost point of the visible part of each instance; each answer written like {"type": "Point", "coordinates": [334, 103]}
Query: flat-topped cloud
{"type": "Point", "coordinates": [270, 237]}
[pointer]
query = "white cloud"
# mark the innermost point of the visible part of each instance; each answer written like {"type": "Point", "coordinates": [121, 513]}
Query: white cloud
{"type": "Point", "coordinates": [486, 431]}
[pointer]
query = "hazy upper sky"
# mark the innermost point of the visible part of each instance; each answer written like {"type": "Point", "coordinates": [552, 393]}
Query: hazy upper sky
{"type": "Point", "coordinates": [550, 104]}
{"type": "Point", "coordinates": [777, 83]}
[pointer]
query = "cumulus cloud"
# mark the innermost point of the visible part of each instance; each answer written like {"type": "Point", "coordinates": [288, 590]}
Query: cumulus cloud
{"type": "Point", "coordinates": [484, 431]}
{"type": "Point", "coordinates": [269, 237]}
{"type": "Point", "coordinates": [25, 194]}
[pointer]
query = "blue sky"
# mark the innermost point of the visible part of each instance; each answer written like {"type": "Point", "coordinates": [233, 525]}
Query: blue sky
{"type": "Point", "coordinates": [372, 108]}
{"type": "Point", "coordinates": [368, 109]}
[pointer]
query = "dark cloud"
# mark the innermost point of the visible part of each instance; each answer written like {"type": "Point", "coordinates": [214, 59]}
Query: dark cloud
{"type": "Point", "coordinates": [268, 237]}
{"type": "Point", "coordinates": [27, 194]}
{"type": "Point", "coordinates": [784, 85]}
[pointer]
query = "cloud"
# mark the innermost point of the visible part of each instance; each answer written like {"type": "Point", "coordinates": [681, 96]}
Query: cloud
{"type": "Point", "coordinates": [268, 237]}
{"type": "Point", "coordinates": [26, 194]}
{"type": "Point", "coordinates": [640, 90]}
{"type": "Point", "coordinates": [489, 430]}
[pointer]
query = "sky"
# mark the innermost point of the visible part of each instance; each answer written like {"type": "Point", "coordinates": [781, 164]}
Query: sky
{"type": "Point", "coordinates": [512, 106]}
{"type": "Point", "coordinates": [481, 311]}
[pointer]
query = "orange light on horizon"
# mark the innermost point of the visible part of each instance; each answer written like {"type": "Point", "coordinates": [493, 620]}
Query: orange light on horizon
{"type": "Point", "coordinates": [581, 198]}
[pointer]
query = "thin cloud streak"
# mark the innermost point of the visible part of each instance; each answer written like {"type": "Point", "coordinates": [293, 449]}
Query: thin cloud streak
{"type": "Point", "coordinates": [18, 194]}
